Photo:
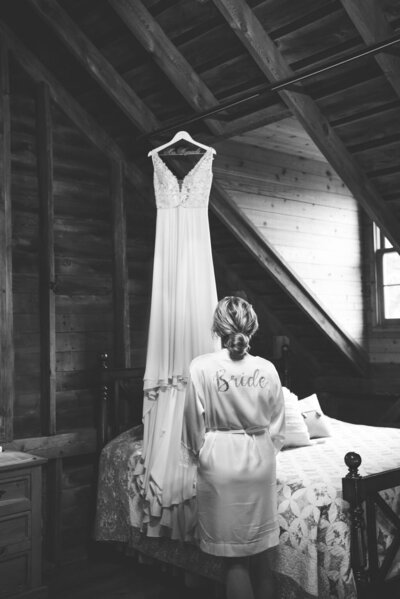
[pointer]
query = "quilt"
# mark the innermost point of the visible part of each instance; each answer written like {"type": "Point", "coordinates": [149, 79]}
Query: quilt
{"type": "Point", "coordinates": [314, 549]}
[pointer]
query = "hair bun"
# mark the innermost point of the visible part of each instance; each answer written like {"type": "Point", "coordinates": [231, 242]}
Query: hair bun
{"type": "Point", "coordinates": [235, 322]}
{"type": "Point", "coordinates": [237, 344]}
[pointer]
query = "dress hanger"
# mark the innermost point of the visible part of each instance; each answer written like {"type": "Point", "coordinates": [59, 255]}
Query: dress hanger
{"type": "Point", "coordinates": [180, 135]}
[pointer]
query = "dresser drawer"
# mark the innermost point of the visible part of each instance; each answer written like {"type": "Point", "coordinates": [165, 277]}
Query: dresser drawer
{"type": "Point", "coordinates": [15, 529]}
{"type": "Point", "coordinates": [15, 493]}
{"type": "Point", "coordinates": [14, 574]}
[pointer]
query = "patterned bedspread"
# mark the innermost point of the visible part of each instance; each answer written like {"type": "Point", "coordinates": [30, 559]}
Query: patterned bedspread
{"type": "Point", "coordinates": [314, 550]}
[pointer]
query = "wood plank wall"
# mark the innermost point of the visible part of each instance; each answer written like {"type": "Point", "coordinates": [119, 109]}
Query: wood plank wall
{"type": "Point", "coordinates": [302, 207]}
{"type": "Point", "coordinates": [25, 254]}
{"type": "Point", "coordinates": [67, 297]}
{"type": "Point", "coordinates": [6, 304]}
{"type": "Point", "coordinates": [83, 271]}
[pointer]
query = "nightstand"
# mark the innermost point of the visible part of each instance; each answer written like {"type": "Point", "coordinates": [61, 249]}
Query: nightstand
{"type": "Point", "coordinates": [21, 526]}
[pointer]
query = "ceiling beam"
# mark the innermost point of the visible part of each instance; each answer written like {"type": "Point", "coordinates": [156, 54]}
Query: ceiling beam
{"type": "Point", "coordinates": [371, 23]}
{"type": "Point", "coordinates": [94, 62]}
{"type": "Point", "coordinates": [220, 202]}
{"type": "Point", "coordinates": [175, 66]}
{"type": "Point", "coordinates": [275, 67]}
{"type": "Point", "coordinates": [73, 110]}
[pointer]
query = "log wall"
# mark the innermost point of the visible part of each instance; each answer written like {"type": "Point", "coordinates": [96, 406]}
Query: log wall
{"type": "Point", "coordinates": [25, 254]}
{"type": "Point", "coordinates": [71, 276]}
{"type": "Point", "coordinates": [302, 207]}
{"type": "Point", "coordinates": [83, 271]}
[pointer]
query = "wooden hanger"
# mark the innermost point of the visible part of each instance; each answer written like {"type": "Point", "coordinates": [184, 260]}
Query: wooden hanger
{"type": "Point", "coordinates": [178, 137]}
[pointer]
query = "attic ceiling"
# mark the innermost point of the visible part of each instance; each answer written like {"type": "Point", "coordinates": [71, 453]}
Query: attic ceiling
{"type": "Point", "coordinates": [286, 136]}
{"type": "Point", "coordinates": [139, 67]}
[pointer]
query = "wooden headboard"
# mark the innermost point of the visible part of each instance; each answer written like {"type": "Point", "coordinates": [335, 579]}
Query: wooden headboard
{"type": "Point", "coordinates": [121, 400]}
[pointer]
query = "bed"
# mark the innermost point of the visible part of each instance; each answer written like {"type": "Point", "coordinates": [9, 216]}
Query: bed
{"type": "Point", "coordinates": [340, 534]}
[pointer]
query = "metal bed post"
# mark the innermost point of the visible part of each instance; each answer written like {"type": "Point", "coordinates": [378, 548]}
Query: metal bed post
{"type": "Point", "coordinates": [353, 492]}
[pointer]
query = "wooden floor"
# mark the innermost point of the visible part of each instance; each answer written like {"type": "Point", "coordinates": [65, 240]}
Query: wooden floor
{"type": "Point", "coordinates": [120, 578]}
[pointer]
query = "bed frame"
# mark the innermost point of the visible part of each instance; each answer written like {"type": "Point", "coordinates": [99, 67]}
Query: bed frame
{"type": "Point", "coordinates": [361, 492]}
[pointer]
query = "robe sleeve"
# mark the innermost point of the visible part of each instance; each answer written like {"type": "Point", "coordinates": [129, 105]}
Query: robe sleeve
{"type": "Point", "coordinates": [193, 429]}
{"type": "Point", "coordinates": [277, 422]}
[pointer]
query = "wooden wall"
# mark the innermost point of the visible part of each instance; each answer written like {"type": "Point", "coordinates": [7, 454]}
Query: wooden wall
{"type": "Point", "coordinates": [83, 271]}
{"type": "Point", "coordinates": [82, 251]}
{"type": "Point", "coordinates": [302, 207]}
{"type": "Point", "coordinates": [25, 254]}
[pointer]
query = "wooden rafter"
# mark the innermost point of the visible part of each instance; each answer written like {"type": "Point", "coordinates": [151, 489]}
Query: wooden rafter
{"type": "Point", "coordinates": [153, 39]}
{"type": "Point", "coordinates": [94, 62]}
{"type": "Point", "coordinates": [371, 23]}
{"type": "Point", "coordinates": [275, 67]}
{"type": "Point", "coordinates": [219, 202]}
{"type": "Point", "coordinates": [171, 61]}
{"type": "Point", "coordinates": [73, 110]}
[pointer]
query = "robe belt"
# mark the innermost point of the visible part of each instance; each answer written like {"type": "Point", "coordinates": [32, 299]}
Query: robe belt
{"type": "Point", "coordinates": [252, 430]}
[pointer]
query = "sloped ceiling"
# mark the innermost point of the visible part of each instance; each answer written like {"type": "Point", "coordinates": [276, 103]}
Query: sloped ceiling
{"type": "Point", "coordinates": [149, 64]}
{"type": "Point", "coordinates": [143, 69]}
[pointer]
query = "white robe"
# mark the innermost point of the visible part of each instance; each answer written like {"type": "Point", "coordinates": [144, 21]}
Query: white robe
{"type": "Point", "coordinates": [234, 422]}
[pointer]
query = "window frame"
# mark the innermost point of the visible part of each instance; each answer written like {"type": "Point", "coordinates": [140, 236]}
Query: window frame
{"type": "Point", "coordinates": [380, 250]}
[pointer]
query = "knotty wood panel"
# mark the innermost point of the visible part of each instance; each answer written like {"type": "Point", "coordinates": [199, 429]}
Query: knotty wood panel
{"type": "Point", "coordinates": [248, 162]}
{"type": "Point", "coordinates": [303, 208]}
{"type": "Point", "coordinates": [286, 136]}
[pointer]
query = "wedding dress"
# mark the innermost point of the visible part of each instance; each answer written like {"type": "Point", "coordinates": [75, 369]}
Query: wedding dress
{"type": "Point", "coordinates": [183, 301]}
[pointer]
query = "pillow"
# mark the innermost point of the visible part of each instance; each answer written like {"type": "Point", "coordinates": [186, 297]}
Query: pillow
{"type": "Point", "coordinates": [296, 434]}
{"type": "Point", "coordinates": [314, 418]}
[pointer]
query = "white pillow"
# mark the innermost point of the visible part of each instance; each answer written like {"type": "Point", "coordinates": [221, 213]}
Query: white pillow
{"type": "Point", "coordinates": [296, 434]}
{"type": "Point", "coordinates": [316, 422]}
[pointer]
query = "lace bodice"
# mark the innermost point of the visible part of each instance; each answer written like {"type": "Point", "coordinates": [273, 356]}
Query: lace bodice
{"type": "Point", "coordinates": [194, 189]}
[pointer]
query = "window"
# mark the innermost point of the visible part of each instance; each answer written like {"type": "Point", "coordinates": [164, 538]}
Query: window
{"type": "Point", "coordinates": [388, 280]}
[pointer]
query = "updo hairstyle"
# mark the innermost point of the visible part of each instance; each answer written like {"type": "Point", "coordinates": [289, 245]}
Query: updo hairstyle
{"type": "Point", "coordinates": [235, 322]}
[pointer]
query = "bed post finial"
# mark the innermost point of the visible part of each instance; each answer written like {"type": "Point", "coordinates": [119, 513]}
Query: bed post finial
{"type": "Point", "coordinates": [353, 462]}
{"type": "Point", "coordinates": [353, 493]}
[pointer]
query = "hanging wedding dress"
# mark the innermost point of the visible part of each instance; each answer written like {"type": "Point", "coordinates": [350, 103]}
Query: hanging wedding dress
{"type": "Point", "coordinates": [183, 301]}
